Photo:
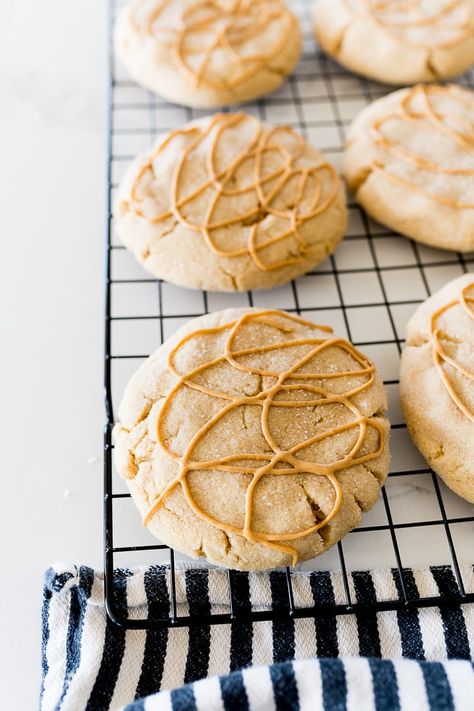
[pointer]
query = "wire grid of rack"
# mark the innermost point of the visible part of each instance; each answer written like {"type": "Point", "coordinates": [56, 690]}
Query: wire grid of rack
{"type": "Point", "coordinates": [367, 290]}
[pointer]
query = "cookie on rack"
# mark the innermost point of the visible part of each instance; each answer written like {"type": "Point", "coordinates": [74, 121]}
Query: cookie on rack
{"type": "Point", "coordinates": [437, 383]}
{"type": "Point", "coordinates": [395, 41]}
{"type": "Point", "coordinates": [409, 160]}
{"type": "Point", "coordinates": [253, 438]}
{"type": "Point", "coordinates": [228, 203]}
{"type": "Point", "coordinates": [208, 54]}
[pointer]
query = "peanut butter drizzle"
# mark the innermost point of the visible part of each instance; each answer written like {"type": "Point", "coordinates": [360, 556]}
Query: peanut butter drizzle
{"type": "Point", "coordinates": [379, 9]}
{"type": "Point", "coordinates": [266, 186]}
{"type": "Point", "coordinates": [266, 464]}
{"type": "Point", "coordinates": [428, 119]}
{"type": "Point", "coordinates": [440, 356]}
{"type": "Point", "coordinates": [208, 27]}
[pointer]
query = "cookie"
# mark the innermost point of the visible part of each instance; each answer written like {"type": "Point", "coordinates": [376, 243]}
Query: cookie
{"type": "Point", "coordinates": [409, 160]}
{"type": "Point", "coordinates": [253, 438]}
{"type": "Point", "coordinates": [208, 54]}
{"type": "Point", "coordinates": [395, 41]}
{"type": "Point", "coordinates": [437, 383]}
{"type": "Point", "coordinates": [228, 203]}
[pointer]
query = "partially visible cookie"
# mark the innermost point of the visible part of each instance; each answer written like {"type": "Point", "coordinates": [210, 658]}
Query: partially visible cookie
{"type": "Point", "coordinates": [437, 383]}
{"type": "Point", "coordinates": [253, 438]}
{"type": "Point", "coordinates": [227, 203]}
{"type": "Point", "coordinates": [409, 160]}
{"type": "Point", "coordinates": [398, 42]}
{"type": "Point", "coordinates": [207, 54]}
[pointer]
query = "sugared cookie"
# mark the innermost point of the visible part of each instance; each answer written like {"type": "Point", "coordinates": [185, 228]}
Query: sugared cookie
{"type": "Point", "coordinates": [208, 53]}
{"type": "Point", "coordinates": [437, 383]}
{"type": "Point", "coordinates": [398, 41]}
{"type": "Point", "coordinates": [227, 203]}
{"type": "Point", "coordinates": [253, 438]}
{"type": "Point", "coordinates": [409, 160]}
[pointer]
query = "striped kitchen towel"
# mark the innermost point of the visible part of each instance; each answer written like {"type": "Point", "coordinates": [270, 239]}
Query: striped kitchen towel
{"type": "Point", "coordinates": [89, 663]}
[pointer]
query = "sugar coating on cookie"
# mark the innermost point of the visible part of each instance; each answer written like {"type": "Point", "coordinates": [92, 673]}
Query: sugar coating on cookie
{"type": "Point", "coordinates": [208, 54]}
{"type": "Point", "coordinates": [229, 203]}
{"type": "Point", "coordinates": [437, 383]}
{"type": "Point", "coordinates": [409, 160]}
{"type": "Point", "coordinates": [398, 41]}
{"type": "Point", "coordinates": [253, 438]}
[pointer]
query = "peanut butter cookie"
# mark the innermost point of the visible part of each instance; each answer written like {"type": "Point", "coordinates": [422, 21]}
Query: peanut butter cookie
{"type": "Point", "coordinates": [437, 383]}
{"type": "Point", "coordinates": [409, 160]}
{"type": "Point", "coordinates": [398, 41]}
{"type": "Point", "coordinates": [228, 203]}
{"type": "Point", "coordinates": [253, 438]}
{"type": "Point", "coordinates": [208, 54]}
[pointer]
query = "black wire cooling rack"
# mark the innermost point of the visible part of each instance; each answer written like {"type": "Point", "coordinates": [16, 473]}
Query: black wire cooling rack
{"type": "Point", "coordinates": [366, 291]}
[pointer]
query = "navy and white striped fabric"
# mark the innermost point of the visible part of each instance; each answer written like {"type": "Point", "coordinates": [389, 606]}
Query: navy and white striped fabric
{"type": "Point", "coordinates": [89, 663]}
{"type": "Point", "coordinates": [354, 684]}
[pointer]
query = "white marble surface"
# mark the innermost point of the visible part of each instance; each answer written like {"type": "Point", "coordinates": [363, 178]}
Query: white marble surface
{"type": "Point", "coordinates": [52, 76]}
{"type": "Point", "coordinates": [53, 73]}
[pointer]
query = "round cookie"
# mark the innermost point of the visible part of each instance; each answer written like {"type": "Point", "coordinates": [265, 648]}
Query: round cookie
{"type": "Point", "coordinates": [395, 41]}
{"type": "Point", "coordinates": [253, 438]}
{"type": "Point", "coordinates": [208, 54]}
{"type": "Point", "coordinates": [227, 203]}
{"type": "Point", "coordinates": [437, 383]}
{"type": "Point", "coordinates": [409, 160]}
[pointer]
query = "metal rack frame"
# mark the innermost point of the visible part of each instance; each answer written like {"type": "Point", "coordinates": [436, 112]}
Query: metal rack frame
{"type": "Point", "coordinates": [328, 74]}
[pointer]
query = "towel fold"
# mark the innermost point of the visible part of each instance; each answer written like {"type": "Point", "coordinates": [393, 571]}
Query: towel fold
{"type": "Point", "coordinates": [360, 684]}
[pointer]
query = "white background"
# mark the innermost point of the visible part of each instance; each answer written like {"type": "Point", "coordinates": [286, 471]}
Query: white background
{"type": "Point", "coordinates": [53, 74]}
